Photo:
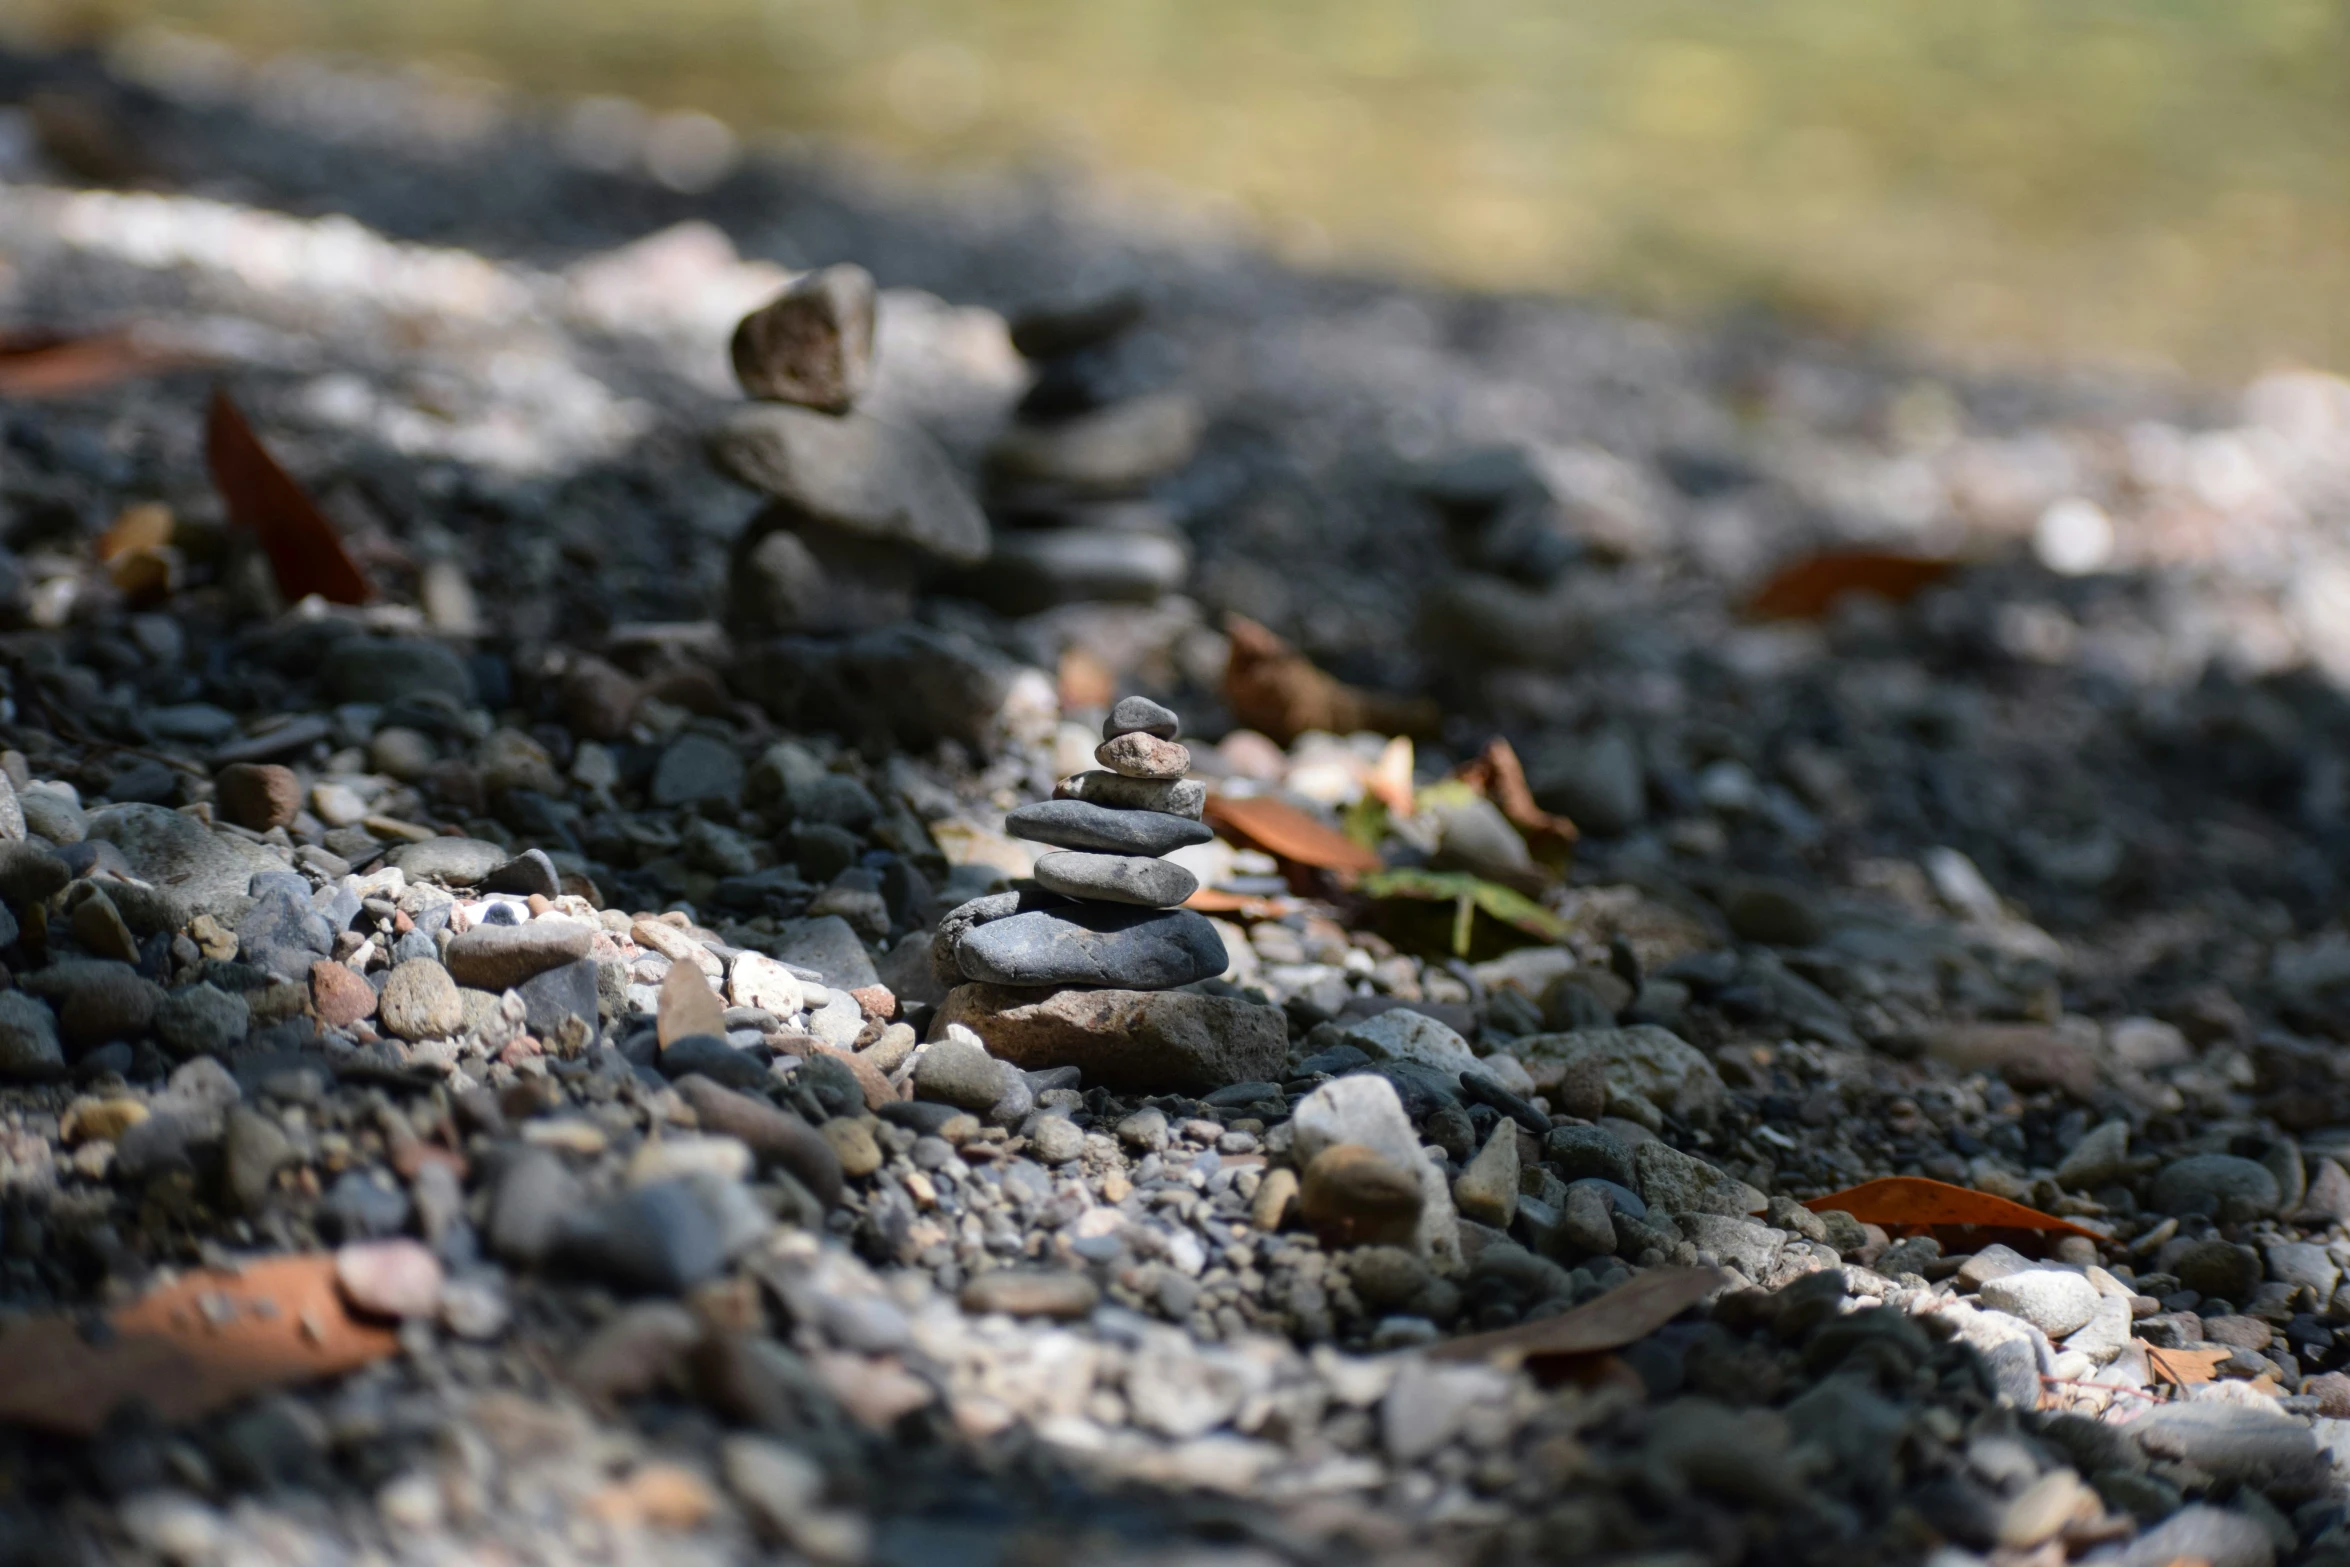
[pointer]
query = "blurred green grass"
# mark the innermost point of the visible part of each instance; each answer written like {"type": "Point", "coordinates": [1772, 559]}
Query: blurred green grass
{"type": "Point", "coordinates": [2164, 181]}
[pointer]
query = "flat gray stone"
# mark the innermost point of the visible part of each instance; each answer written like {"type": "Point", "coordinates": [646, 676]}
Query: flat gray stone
{"type": "Point", "coordinates": [460, 862]}
{"type": "Point", "coordinates": [207, 872]}
{"type": "Point", "coordinates": [1130, 949]}
{"type": "Point", "coordinates": [828, 945]}
{"type": "Point", "coordinates": [2221, 1185]}
{"type": "Point", "coordinates": [856, 473]}
{"type": "Point", "coordinates": [1175, 796]}
{"type": "Point", "coordinates": [1075, 824]}
{"type": "Point", "coordinates": [1115, 878]}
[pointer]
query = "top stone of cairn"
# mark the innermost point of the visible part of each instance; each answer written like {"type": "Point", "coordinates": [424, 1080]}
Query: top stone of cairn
{"type": "Point", "coordinates": [1139, 715]}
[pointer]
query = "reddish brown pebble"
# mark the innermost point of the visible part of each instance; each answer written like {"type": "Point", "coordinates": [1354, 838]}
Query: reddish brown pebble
{"type": "Point", "coordinates": [599, 700]}
{"type": "Point", "coordinates": [394, 1278]}
{"type": "Point", "coordinates": [869, 1077]}
{"type": "Point", "coordinates": [339, 996]}
{"type": "Point", "coordinates": [257, 795]}
{"type": "Point", "coordinates": [875, 1001]}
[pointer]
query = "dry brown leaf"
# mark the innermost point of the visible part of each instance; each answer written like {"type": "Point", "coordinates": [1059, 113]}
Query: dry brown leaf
{"type": "Point", "coordinates": [48, 364]}
{"type": "Point", "coordinates": [689, 1006]}
{"type": "Point", "coordinates": [1211, 900]}
{"type": "Point", "coordinates": [304, 551]}
{"type": "Point", "coordinates": [1276, 689]}
{"type": "Point", "coordinates": [1287, 833]}
{"type": "Point", "coordinates": [1497, 774]}
{"type": "Point", "coordinates": [1624, 1315]}
{"type": "Point", "coordinates": [2184, 1367]}
{"type": "Point", "coordinates": [191, 1347]}
{"type": "Point", "coordinates": [1811, 586]}
{"type": "Point", "coordinates": [1914, 1202]}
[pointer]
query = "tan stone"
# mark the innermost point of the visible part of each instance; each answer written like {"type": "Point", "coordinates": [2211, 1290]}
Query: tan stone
{"type": "Point", "coordinates": [338, 995]}
{"type": "Point", "coordinates": [1354, 1196]}
{"type": "Point", "coordinates": [257, 796]}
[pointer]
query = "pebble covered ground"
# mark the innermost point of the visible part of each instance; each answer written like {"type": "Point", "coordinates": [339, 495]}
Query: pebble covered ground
{"type": "Point", "coordinates": [616, 944]}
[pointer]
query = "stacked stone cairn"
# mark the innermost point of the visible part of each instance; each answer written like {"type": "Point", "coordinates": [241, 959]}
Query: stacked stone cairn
{"type": "Point", "coordinates": [1070, 481]}
{"type": "Point", "coordinates": [857, 509]}
{"type": "Point", "coordinates": [1082, 968]}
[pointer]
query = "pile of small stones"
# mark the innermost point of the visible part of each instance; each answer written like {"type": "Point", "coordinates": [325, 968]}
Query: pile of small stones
{"type": "Point", "coordinates": [1072, 480]}
{"type": "Point", "coordinates": [639, 1007]}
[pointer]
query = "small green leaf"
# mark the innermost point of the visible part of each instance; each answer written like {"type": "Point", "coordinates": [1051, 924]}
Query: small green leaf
{"type": "Point", "coordinates": [1470, 893]}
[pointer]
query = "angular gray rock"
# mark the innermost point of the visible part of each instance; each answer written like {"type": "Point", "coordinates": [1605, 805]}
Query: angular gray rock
{"type": "Point", "coordinates": [856, 473]}
{"type": "Point", "coordinates": [811, 345]}
{"type": "Point", "coordinates": [1130, 1040]}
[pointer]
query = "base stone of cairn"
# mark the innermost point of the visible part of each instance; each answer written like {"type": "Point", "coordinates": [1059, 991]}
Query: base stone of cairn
{"type": "Point", "coordinates": [1083, 968]}
{"type": "Point", "coordinates": [1130, 1040]}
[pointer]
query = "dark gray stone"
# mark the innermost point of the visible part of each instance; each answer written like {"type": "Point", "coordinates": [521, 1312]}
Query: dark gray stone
{"type": "Point", "coordinates": [2220, 1185]}
{"type": "Point", "coordinates": [202, 1020]}
{"type": "Point", "coordinates": [1074, 824]}
{"type": "Point", "coordinates": [553, 998]}
{"type": "Point", "coordinates": [709, 1056]}
{"type": "Point", "coordinates": [281, 932]}
{"type": "Point", "coordinates": [387, 669]}
{"type": "Point", "coordinates": [1132, 949]}
{"type": "Point", "coordinates": [660, 1238]}
{"type": "Point", "coordinates": [29, 874]}
{"type": "Point", "coordinates": [527, 873]}
{"type": "Point", "coordinates": [856, 473]}
{"type": "Point", "coordinates": [696, 768]}
{"type": "Point", "coordinates": [1581, 1152]}
{"type": "Point", "coordinates": [29, 1050]}
{"type": "Point", "coordinates": [835, 799]}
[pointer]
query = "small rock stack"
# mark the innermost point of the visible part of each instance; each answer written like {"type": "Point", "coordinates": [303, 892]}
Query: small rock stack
{"type": "Point", "coordinates": [1069, 482]}
{"type": "Point", "coordinates": [1082, 970]}
{"type": "Point", "coordinates": [858, 508]}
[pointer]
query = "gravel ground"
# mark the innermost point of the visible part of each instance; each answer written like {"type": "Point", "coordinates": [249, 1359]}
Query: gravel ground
{"type": "Point", "coordinates": [577, 949]}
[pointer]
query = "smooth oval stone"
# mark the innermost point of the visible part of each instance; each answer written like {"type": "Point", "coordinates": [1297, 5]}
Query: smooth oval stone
{"type": "Point", "coordinates": [1115, 878]}
{"type": "Point", "coordinates": [1140, 715]}
{"type": "Point", "coordinates": [1143, 756]}
{"type": "Point", "coordinates": [1186, 797]}
{"type": "Point", "coordinates": [1095, 944]}
{"type": "Point", "coordinates": [1073, 824]}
